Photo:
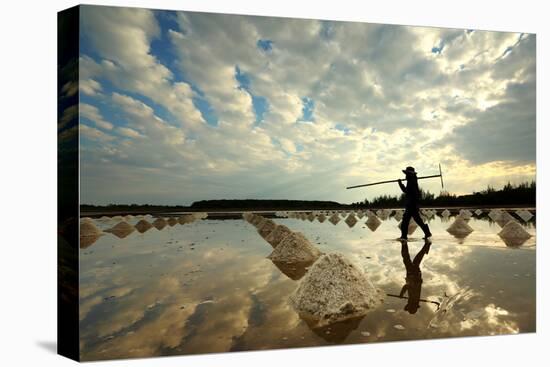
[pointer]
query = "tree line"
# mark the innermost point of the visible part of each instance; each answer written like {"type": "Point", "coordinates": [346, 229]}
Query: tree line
{"type": "Point", "coordinates": [517, 195]}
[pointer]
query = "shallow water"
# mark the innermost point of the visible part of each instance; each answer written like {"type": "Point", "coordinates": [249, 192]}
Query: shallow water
{"type": "Point", "coordinates": [208, 287]}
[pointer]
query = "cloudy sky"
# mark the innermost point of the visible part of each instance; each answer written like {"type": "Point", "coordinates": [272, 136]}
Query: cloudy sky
{"type": "Point", "coordinates": [181, 106]}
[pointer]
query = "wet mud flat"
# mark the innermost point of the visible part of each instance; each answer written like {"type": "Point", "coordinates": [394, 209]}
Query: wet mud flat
{"type": "Point", "coordinates": [209, 286]}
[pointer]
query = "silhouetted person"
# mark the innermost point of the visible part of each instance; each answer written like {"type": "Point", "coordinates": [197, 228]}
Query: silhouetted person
{"type": "Point", "coordinates": [412, 199]}
{"type": "Point", "coordinates": [413, 285]}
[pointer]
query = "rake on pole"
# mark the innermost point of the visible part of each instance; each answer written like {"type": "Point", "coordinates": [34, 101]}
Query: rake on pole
{"type": "Point", "coordinates": [440, 175]}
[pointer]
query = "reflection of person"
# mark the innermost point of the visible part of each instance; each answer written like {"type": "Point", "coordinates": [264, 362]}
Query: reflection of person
{"type": "Point", "coordinates": [412, 198]}
{"type": "Point", "coordinates": [413, 285]}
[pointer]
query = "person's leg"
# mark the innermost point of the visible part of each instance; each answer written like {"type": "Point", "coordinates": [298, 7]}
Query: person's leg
{"type": "Point", "coordinates": [423, 251]}
{"type": "Point", "coordinates": [406, 255]}
{"type": "Point", "coordinates": [405, 223]}
{"type": "Point", "coordinates": [418, 219]}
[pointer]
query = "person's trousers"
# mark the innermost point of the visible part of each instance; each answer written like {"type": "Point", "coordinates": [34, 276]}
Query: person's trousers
{"type": "Point", "coordinates": [413, 212]}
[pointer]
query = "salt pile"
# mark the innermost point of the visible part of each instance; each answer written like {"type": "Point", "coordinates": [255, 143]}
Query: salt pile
{"type": "Point", "coordinates": [445, 213]}
{"type": "Point", "coordinates": [334, 219]}
{"type": "Point", "coordinates": [478, 212]}
{"type": "Point", "coordinates": [263, 222]}
{"type": "Point", "coordinates": [118, 218]}
{"type": "Point", "coordinates": [465, 214]}
{"type": "Point", "coordinates": [382, 214]}
{"type": "Point", "coordinates": [143, 226]}
{"type": "Point", "coordinates": [398, 215]}
{"type": "Point", "coordinates": [321, 218]}
{"type": "Point", "coordinates": [277, 235]}
{"type": "Point", "coordinates": [504, 218]}
{"type": "Point", "coordinates": [267, 228]}
{"type": "Point", "coordinates": [412, 226]}
{"type": "Point", "coordinates": [495, 214]}
{"type": "Point", "coordinates": [311, 217]}
{"type": "Point", "coordinates": [172, 221]}
{"type": "Point", "coordinates": [373, 222]}
{"type": "Point", "coordinates": [525, 215]}
{"type": "Point", "coordinates": [334, 290]}
{"type": "Point", "coordinates": [89, 233]}
{"type": "Point", "coordinates": [186, 218]}
{"type": "Point", "coordinates": [360, 214]}
{"type": "Point", "coordinates": [159, 223]}
{"type": "Point", "coordinates": [351, 220]}
{"type": "Point", "coordinates": [294, 248]}
{"type": "Point", "coordinates": [256, 219]}
{"type": "Point", "coordinates": [200, 215]}
{"type": "Point", "coordinates": [460, 228]}
{"type": "Point", "coordinates": [514, 234]}
{"type": "Point", "coordinates": [121, 230]}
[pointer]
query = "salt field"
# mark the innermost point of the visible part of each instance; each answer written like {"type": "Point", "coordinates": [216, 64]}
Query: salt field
{"type": "Point", "coordinates": [197, 284]}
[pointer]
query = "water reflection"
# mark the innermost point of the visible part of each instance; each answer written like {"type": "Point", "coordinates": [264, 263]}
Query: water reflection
{"type": "Point", "coordinates": [413, 279]}
{"type": "Point", "coordinates": [208, 287]}
{"type": "Point", "coordinates": [294, 271]}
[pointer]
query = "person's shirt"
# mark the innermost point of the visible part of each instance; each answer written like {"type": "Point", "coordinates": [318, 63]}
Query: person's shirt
{"type": "Point", "coordinates": [412, 191]}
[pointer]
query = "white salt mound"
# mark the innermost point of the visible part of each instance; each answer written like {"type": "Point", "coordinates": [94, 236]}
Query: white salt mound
{"type": "Point", "coordinates": [334, 219]}
{"type": "Point", "coordinates": [256, 219]}
{"type": "Point", "coordinates": [445, 213]}
{"type": "Point", "coordinates": [321, 218]}
{"type": "Point", "coordinates": [121, 229]}
{"type": "Point", "coordinates": [89, 229]}
{"type": "Point", "coordinates": [143, 226]}
{"type": "Point", "coordinates": [373, 223]}
{"type": "Point", "coordinates": [460, 228]}
{"type": "Point", "coordinates": [525, 215]}
{"type": "Point", "coordinates": [504, 218]}
{"type": "Point", "coordinates": [333, 290]}
{"type": "Point", "coordinates": [398, 215]}
{"type": "Point", "coordinates": [186, 218]}
{"type": "Point", "coordinates": [172, 221]}
{"type": "Point", "coordinates": [514, 231]}
{"type": "Point", "coordinates": [260, 222]}
{"type": "Point", "coordinates": [277, 235]}
{"type": "Point", "coordinates": [311, 217]}
{"type": "Point", "coordinates": [351, 220]}
{"type": "Point", "coordinates": [294, 248]}
{"type": "Point", "coordinates": [159, 223]}
{"type": "Point", "coordinates": [495, 214]}
{"type": "Point", "coordinates": [412, 226]}
{"type": "Point", "coordinates": [267, 228]}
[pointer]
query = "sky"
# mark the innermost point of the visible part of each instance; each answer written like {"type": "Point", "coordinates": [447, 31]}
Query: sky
{"type": "Point", "coordinates": [177, 107]}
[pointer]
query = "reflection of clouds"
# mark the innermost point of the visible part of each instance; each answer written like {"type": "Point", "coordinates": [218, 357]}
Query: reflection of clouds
{"type": "Point", "coordinates": [235, 277]}
{"type": "Point", "coordinates": [159, 284]}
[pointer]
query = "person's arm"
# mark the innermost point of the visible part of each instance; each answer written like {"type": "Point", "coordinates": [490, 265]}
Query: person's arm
{"type": "Point", "coordinates": [403, 188]}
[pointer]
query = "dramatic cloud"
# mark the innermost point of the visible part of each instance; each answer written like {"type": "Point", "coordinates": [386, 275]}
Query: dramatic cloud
{"type": "Point", "coordinates": [183, 106]}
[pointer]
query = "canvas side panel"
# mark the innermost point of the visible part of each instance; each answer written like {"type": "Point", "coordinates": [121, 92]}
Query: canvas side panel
{"type": "Point", "coordinates": [67, 182]}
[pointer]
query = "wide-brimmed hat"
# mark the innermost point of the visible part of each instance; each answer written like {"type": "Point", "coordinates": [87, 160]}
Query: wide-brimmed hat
{"type": "Point", "coordinates": [409, 170]}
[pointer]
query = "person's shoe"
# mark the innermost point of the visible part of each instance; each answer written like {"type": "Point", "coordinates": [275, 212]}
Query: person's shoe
{"type": "Point", "coordinates": [427, 236]}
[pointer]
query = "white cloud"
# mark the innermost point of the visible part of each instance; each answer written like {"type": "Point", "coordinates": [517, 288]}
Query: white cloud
{"type": "Point", "coordinates": [92, 113]}
{"type": "Point", "coordinates": [384, 97]}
